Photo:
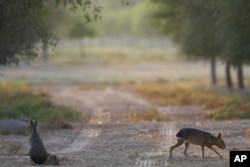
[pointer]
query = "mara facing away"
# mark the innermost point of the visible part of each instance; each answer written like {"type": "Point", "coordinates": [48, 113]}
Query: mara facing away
{"type": "Point", "coordinates": [38, 153]}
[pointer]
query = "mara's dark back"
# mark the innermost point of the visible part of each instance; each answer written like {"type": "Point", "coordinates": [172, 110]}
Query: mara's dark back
{"type": "Point", "coordinates": [185, 133]}
{"type": "Point", "coordinates": [37, 151]}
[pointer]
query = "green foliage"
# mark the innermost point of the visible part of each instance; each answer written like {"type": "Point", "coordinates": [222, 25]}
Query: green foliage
{"type": "Point", "coordinates": [167, 15]}
{"type": "Point", "coordinates": [237, 31]}
{"type": "Point", "coordinates": [120, 18]}
{"type": "Point", "coordinates": [140, 22]}
{"type": "Point", "coordinates": [207, 29]}
{"type": "Point", "coordinates": [18, 101]}
{"type": "Point", "coordinates": [200, 37]}
{"type": "Point", "coordinates": [80, 30]}
{"type": "Point", "coordinates": [23, 25]}
{"type": "Point", "coordinates": [193, 25]}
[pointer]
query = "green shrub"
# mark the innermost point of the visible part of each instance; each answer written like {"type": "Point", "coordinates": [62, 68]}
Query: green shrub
{"type": "Point", "coordinates": [19, 103]}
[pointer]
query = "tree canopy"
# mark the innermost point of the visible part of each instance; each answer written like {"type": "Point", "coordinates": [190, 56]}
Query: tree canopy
{"type": "Point", "coordinates": [23, 25]}
{"type": "Point", "coordinates": [208, 29]}
{"type": "Point", "coordinates": [237, 32]}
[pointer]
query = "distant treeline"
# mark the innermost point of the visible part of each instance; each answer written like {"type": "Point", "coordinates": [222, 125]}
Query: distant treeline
{"type": "Point", "coordinates": [214, 29]}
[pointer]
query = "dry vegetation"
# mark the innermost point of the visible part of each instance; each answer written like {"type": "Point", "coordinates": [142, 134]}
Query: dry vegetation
{"type": "Point", "coordinates": [151, 115]}
{"type": "Point", "coordinates": [113, 55]}
{"type": "Point", "coordinates": [221, 105]}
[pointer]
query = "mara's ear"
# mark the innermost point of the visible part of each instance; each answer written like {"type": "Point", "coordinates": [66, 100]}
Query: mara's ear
{"type": "Point", "coordinates": [219, 136]}
{"type": "Point", "coordinates": [35, 123]}
{"type": "Point", "coordinates": [31, 122]}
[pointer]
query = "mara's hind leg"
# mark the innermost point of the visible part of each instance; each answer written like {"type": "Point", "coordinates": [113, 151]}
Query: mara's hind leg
{"type": "Point", "coordinates": [186, 147]}
{"type": "Point", "coordinates": [179, 142]}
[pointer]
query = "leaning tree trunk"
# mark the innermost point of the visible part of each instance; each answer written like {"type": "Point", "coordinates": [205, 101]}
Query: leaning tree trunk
{"type": "Point", "coordinates": [240, 75]}
{"type": "Point", "coordinates": [213, 72]}
{"type": "Point", "coordinates": [228, 76]}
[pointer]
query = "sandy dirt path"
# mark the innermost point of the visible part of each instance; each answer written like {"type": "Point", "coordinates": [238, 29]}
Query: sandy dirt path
{"type": "Point", "coordinates": [109, 141]}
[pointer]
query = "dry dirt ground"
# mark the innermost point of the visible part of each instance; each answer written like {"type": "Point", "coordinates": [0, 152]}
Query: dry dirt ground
{"type": "Point", "coordinates": [109, 141]}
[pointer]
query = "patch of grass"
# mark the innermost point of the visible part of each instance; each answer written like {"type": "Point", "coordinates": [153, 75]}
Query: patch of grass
{"type": "Point", "coordinates": [237, 108]}
{"type": "Point", "coordinates": [113, 55]}
{"type": "Point", "coordinates": [180, 93]}
{"type": "Point", "coordinates": [187, 93]}
{"type": "Point", "coordinates": [17, 101]}
{"type": "Point", "coordinates": [151, 115]}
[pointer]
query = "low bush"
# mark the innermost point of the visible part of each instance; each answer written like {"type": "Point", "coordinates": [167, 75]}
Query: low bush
{"type": "Point", "coordinates": [18, 101]}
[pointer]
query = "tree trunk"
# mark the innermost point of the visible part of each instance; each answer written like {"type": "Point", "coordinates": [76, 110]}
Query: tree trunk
{"type": "Point", "coordinates": [213, 72]}
{"type": "Point", "coordinates": [81, 48]}
{"type": "Point", "coordinates": [45, 53]}
{"type": "Point", "coordinates": [241, 84]}
{"type": "Point", "coordinates": [228, 76]}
